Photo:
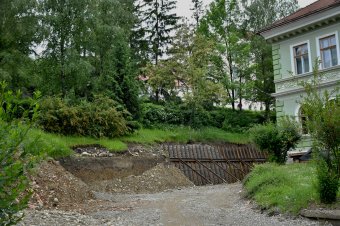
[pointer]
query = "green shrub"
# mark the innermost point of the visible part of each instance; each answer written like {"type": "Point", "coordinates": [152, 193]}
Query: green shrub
{"type": "Point", "coordinates": [99, 118]}
{"type": "Point", "coordinates": [276, 139]}
{"type": "Point", "coordinates": [195, 116]}
{"type": "Point", "coordinates": [328, 183]}
{"type": "Point", "coordinates": [237, 121]}
{"type": "Point", "coordinates": [322, 111]}
{"type": "Point", "coordinates": [18, 154]}
{"type": "Point", "coordinates": [15, 106]}
{"type": "Point", "coordinates": [154, 115]}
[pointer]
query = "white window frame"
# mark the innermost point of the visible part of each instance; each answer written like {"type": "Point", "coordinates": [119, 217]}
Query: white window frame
{"type": "Point", "coordinates": [292, 57]}
{"type": "Point", "coordinates": [318, 53]}
{"type": "Point", "coordinates": [299, 120]}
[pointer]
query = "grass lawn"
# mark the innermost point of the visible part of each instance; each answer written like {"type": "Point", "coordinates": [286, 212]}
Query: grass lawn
{"type": "Point", "coordinates": [288, 188]}
{"type": "Point", "coordinates": [62, 144]}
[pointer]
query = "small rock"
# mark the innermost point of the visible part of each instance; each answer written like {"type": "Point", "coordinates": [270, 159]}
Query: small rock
{"type": "Point", "coordinates": [103, 154]}
{"type": "Point", "coordinates": [85, 154]}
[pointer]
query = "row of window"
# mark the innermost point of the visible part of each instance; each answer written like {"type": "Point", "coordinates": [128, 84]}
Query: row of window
{"type": "Point", "coordinates": [327, 53]}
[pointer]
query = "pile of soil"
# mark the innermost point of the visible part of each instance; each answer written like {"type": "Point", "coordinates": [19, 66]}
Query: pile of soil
{"type": "Point", "coordinates": [70, 184]}
{"type": "Point", "coordinates": [159, 178]}
{"type": "Point", "coordinates": [54, 187]}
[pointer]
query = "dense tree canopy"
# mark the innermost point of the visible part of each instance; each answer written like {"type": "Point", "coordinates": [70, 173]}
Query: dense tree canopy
{"type": "Point", "coordinates": [80, 49]}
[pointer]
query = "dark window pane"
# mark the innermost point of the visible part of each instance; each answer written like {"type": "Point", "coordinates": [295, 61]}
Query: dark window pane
{"type": "Point", "coordinates": [332, 40]}
{"type": "Point", "coordinates": [334, 57]}
{"type": "Point", "coordinates": [306, 63]}
{"type": "Point", "coordinates": [304, 49]}
{"type": "Point", "coordinates": [326, 58]}
{"type": "Point", "coordinates": [297, 51]}
{"type": "Point", "coordinates": [323, 43]}
{"type": "Point", "coordinates": [298, 66]}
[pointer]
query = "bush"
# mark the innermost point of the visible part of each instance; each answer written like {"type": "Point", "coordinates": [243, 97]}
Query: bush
{"type": "Point", "coordinates": [154, 115]}
{"type": "Point", "coordinates": [15, 106]}
{"type": "Point", "coordinates": [323, 123]}
{"type": "Point", "coordinates": [195, 116]}
{"type": "Point", "coordinates": [18, 153]}
{"type": "Point", "coordinates": [236, 121]}
{"type": "Point", "coordinates": [276, 139]}
{"type": "Point", "coordinates": [97, 119]}
{"type": "Point", "coordinates": [328, 183]}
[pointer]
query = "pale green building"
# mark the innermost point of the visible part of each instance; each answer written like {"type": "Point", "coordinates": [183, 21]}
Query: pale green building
{"type": "Point", "coordinates": [297, 41]}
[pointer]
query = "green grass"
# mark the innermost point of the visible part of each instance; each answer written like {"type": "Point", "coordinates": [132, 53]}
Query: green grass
{"type": "Point", "coordinates": [184, 135]}
{"type": "Point", "coordinates": [142, 136]}
{"type": "Point", "coordinates": [288, 188]}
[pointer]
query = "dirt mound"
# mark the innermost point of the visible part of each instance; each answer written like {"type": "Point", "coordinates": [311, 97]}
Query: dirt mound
{"type": "Point", "coordinates": [53, 186]}
{"type": "Point", "coordinates": [159, 178]}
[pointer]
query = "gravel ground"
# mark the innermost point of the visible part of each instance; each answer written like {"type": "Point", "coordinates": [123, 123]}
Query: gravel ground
{"type": "Point", "coordinates": [208, 205]}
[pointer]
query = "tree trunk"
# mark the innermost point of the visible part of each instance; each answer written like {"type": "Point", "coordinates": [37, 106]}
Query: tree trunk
{"type": "Point", "coordinates": [231, 81]}
{"type": "Point", "coordinates": [240, 93]}
{"type": "Point", "coordinates": [62, 64]}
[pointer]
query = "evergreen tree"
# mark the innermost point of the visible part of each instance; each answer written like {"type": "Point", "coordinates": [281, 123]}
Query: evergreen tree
{"type": "Point", "coordinates": [197, 10]}
{"type": "Point", "coordinates": [160, 21]}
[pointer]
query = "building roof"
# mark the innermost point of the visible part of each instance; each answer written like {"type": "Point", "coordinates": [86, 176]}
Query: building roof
{"type": "Point", "coordinates": [316, 7]}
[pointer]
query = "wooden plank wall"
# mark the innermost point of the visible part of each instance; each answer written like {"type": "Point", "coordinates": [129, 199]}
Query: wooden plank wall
{"type": "Point", "coordinates": [214, 163]}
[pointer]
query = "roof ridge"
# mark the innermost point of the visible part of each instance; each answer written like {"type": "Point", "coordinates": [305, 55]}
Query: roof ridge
{"type": "Point", "coordinates": [310, 9]}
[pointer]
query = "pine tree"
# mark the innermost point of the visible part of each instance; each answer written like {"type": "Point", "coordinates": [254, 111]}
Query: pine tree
{"type": "Point", "coordinates": [160, 21]}
{"type": "Point", "coordinates": [197, 10]}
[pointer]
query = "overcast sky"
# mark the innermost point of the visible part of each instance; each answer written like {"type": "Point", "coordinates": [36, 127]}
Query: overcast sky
{"type": "Point", "coordinates": [183, 6]}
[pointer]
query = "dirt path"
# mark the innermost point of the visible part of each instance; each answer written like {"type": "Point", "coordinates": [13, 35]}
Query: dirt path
{"type": "Point", "coordinates": [208, 205]}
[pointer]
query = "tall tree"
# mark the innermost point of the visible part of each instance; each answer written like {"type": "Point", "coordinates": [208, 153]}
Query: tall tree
{"type": "Point", "coordinates": [197, 10]}
{"type": "Point", "coordinates": [159, 21]}
{"type": "Point", "coordinates": [222, 23]}
{"type": "Point", "coordinates": [188, 70]}
{"type": "Point", "coordinates": [261, 13]}
{"type": "Point", "coordinates": [19, 32]}
{"type": "Point", "coordinates": [62, 68]}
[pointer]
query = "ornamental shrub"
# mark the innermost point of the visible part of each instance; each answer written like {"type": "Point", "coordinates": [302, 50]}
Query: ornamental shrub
{"type": "Point", "coordinates": [328, 182]}
{"type": "Point", "coordinates": [99, 118]}
{"type": "Point", "coordinates": [240, 121]}
{"type": "Point", "coordinates": [156, 115]}
{"type": "Point", "coordinates": [276, 139]}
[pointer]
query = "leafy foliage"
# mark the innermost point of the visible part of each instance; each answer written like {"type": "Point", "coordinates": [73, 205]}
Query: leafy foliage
{"type": "Point", "coordinates": [17, 156]}
{"type": "Point", "coordinates": [323, 123]}
{"type": "Point", "coordinates": [156, 115]}
{"type": "Point", "coordinates": [277, 140]}
{"type": "Point", "coordinates": [328, 183]}
{"type": "Point", "coordinates": [97, 119]}
{"type": "Point", "coordinates": [18, 29]}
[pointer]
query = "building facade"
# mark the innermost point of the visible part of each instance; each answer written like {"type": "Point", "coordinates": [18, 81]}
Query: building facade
{"type": "Point", "coordinates": [306, 38]}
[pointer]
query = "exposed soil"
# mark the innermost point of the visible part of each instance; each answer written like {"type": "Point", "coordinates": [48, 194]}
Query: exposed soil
{"type": "Point", "coordinates": [69, 184]}
{"type": "Point", "coordinates": [53, 186]}
{"type": "Point", "coordinates": [157, 179]}
{"type": "Point", "coordinates": [137, 187]}
{"type": "Point", "coordinates": [205, 205]}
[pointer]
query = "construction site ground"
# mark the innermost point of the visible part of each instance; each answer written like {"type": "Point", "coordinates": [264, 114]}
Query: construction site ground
{"type": "Point", "coordinates": [138, 187]}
